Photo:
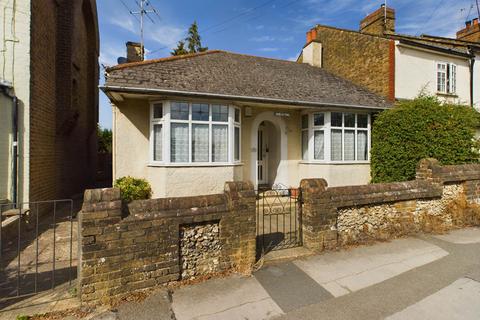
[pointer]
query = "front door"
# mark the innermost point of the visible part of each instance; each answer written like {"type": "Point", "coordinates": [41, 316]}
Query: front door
{"type": "Point", "coordinates": [262, 156]}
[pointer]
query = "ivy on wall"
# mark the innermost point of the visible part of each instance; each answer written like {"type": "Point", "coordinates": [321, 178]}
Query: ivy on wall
{"type": "Point", "coordinates": [422, 128]}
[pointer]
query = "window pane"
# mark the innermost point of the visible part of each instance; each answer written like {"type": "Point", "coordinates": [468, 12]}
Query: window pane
{"type": "Point", "coordinates": [349, 152]}
{"type": "Point", "coordinates": [219, 143]}
{"type": "Point", "coordinates": [219, 113]}
{"type": "Point", "coordinates": [305, 121]}
{"type": "Point", "coordinates": [362, 120]}
{"type": "Point", "coordinates": [319, 142]}
{"type": "Point", "coordinates": [157, 142]}
{"type": "Point", "coordinates": [179, 142]}
{"type": "Point", "coordinates": [305, 144]}
{"type": "Point", "coordinates": [336, 147]}
{"type": "Point", "coordinates": [200, 142]}
{"type": "Point", "coordinates": [179, 111]}
{"type": "Point", "coordinates": [318, 119]}
{"type": "Point", "coordinates": [158, 111]}
{"type": "Point", "coordinates": [237, 144]}
{"type": "Point", "coordinates": [200, 112]}
{"type": "Point", "coordinates": [362, 145]}
{"type": "Point", "coordinates": [453, 78]}
{"type": "Point", "coordinates": [237, 115]}
{"type": "Point", "coordinates": [337, 119]}
{"type": "Point", "coordinates": [349, 120]}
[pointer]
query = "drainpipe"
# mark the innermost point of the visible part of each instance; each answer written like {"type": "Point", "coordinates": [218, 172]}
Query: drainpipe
{"type": "Point", "coordinates": [6, 89]}
{"type": "Point", "coordinates": [472, 64]}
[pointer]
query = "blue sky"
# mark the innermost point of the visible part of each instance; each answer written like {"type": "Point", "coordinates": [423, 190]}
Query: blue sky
{"type": "Point", "coordinates": [270, 28]}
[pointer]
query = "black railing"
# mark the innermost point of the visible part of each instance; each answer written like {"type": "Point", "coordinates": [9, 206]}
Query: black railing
{"type": "Point", "coordinates": [36, 247]}
{"type": "Point", "coordinates": [279, 220]}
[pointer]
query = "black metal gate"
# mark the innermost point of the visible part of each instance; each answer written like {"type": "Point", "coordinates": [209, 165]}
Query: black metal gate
{"type": "Point", "coordinates": [38, 247]}
{"type": "Point", "coordinates": [279, 220]}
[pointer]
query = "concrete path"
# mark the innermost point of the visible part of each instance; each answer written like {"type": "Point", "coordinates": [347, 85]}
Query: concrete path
{"type": "Point", "coordinates": [402, 279]}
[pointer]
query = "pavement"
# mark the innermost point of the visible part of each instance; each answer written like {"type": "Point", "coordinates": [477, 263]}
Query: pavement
{"type": "Point", "coordinates": [423, 277]}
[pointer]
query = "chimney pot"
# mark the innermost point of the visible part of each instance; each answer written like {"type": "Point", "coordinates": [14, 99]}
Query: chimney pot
{"type": "Point", "coordinates": [309, 36]}
{"type": "Point", "coordinates": [134, 51]}
{"type": "Point", "coordinates": [475, 21]}
{"type": "Point", "coordinates": [468, 23]}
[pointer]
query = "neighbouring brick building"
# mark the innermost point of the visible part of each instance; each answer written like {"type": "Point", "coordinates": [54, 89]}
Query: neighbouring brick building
{"type": "Point", "coordinates": [49, 78]}
{"type": "Point", "coordinates": [400, 66]}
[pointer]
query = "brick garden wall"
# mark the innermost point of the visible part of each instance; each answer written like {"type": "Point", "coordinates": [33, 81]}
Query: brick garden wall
{"type": "Point", "coordinates": [159, 240]}
{"type": "Point", "coordinates": [441, 198]}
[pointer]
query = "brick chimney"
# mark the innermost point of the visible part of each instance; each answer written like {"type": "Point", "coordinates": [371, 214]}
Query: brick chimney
{"type": "Point", "coordinates": [374, 23]}
{"type": "Point", "coordinates": [134, 52]}
{"type": "Point", "coordinates": [312, 52]}
{"type": "Point", "coordinates": [471, 32]}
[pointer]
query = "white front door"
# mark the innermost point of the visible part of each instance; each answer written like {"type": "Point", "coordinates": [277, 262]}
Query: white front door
{"type": "Point", "coordinates": [262, 157]}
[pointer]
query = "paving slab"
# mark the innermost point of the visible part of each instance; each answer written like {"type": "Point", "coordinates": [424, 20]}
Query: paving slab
{"type": "Point", "coordinates": [347, 271]}
{"type": "Point", "coordinates": [460, 300]}
{"type": "Point", "coordinates": [290, 287]}
{"type": "Point", "coordinates": [235, 297]}
{"type": "Point", "coordinates": [463, 236]}
{"type": "Point", "coordinates": [157, 304]}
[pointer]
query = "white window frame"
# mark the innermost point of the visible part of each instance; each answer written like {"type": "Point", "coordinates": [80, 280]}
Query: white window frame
{"type": "Point", "coordinates": [450, 74]}
{"type": "Point", "coordinates": [166, 122]}
{"type": "Point", "coordinates": [327, 129]}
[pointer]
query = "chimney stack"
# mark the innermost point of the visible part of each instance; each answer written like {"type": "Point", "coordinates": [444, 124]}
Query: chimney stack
{"type": "Point", "coordinates": [376, 23]}
{"type": "Point", "coordinates": [134, 52]}
{"type": "Point", "coordinates": [471, 32]}
{"type": "Point", "coordinates": [312, 52]}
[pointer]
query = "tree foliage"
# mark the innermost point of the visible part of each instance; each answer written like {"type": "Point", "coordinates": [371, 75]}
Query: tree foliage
{"type": "Point", "coordinates": [422, 128]}
{"type": "Point", "coordinates": [192, 41]}
{"type": "Point", "coordinates": [104, 137]}
{"type": "Point", "coordinates": [180, 49]}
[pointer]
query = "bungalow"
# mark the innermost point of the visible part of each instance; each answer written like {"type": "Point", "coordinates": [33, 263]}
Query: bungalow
{"type": "Point", "coordinates": [189, 123]}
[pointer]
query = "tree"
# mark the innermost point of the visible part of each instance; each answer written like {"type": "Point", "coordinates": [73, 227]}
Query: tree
{"type": "Point", "coordinates": [193, 41]}
{"type": "Point", "coordinates": [180, 49]}
{"type": "Point", "coordinates": [422, 128]}
{"type": "Point", "coordinates": [104, 137]}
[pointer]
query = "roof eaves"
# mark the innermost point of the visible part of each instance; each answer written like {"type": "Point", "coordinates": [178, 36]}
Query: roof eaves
{"type": "Point", "coordinates": [434, 48]}
{"type": "Point", "coordinates": [109, 88]}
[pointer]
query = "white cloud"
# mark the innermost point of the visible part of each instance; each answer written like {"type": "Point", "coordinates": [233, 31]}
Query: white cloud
{"type": "Point", "coordinates": [262, 39]}
{"type": "Point", "coordinates": [109, 54]}
{"type": "Point", "coordinates": [126, 22]}
{"type": "Point", "coordinates": [267, 49]}
{"type": "Point", "coordinates": [166, 35]}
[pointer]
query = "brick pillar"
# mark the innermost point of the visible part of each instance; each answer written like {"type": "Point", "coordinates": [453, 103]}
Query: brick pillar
{"type": "Point", "coordinates": [428, 169]}
{"type": "Point", "coordinates": [319, 216]}
{"type": "Point", "coordinates": [102, 209]}
{"type": "Point", "coordinates": [239, 226]}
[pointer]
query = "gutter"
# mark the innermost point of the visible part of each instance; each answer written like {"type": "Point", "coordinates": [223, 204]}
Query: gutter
{"type": "Point", "coordinates": [6, 89]}
{"type": "Point", "coordinates": [433, 48]}
{"type": "Point", "coordinates": [107, 89]}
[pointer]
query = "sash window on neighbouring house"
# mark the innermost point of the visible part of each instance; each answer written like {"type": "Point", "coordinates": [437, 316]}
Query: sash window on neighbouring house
{"type": "Point", "coordinates": [446, 78]}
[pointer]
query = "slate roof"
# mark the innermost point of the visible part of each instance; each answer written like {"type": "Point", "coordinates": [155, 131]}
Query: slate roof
{"type": "Point", "coordinates": [237, 75]}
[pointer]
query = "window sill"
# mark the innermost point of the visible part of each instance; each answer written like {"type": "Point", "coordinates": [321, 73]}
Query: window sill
{"type": "Point", "coordinates": [189, 165]}
{"type": "Point", "coordinates": [449, 95]}
{"type": "Point", "coordinates": [333, 162]}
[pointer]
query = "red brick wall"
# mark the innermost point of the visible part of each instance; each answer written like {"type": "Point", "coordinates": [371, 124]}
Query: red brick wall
{"type": "Point", "coordinates": [64, 101]}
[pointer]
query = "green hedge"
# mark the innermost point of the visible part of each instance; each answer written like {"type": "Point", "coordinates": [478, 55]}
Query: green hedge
{"type": "Point", "coordinates": [133, 188]}
{"type": "Point", "coordinates": [421, 128]}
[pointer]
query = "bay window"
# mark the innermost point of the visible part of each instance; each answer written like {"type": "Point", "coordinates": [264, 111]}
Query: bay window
{"type": "Point", "coordinates": [335, 137]}
{"type": "Point", "coordinates": [194, 133]}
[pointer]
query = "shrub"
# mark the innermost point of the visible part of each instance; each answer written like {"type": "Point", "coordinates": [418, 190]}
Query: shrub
{"type": "Point", "coordinates": [133, 188]}
{"type": "Point", "coordinates": [422, 128]}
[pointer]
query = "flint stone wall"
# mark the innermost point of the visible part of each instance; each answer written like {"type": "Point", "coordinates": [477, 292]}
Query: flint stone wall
{"type": "Point", "coordinates": [120, 255]}
{"type": "Point", "coordinates": [441, 198]}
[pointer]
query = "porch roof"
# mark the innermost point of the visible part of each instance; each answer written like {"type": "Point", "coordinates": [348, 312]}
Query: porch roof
{"type": "Point", "coordinates": [240, 77]}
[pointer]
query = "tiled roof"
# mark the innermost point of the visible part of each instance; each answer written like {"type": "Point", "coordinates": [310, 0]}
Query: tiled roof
{"type": "Point", "coordinates": [237, 75]}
